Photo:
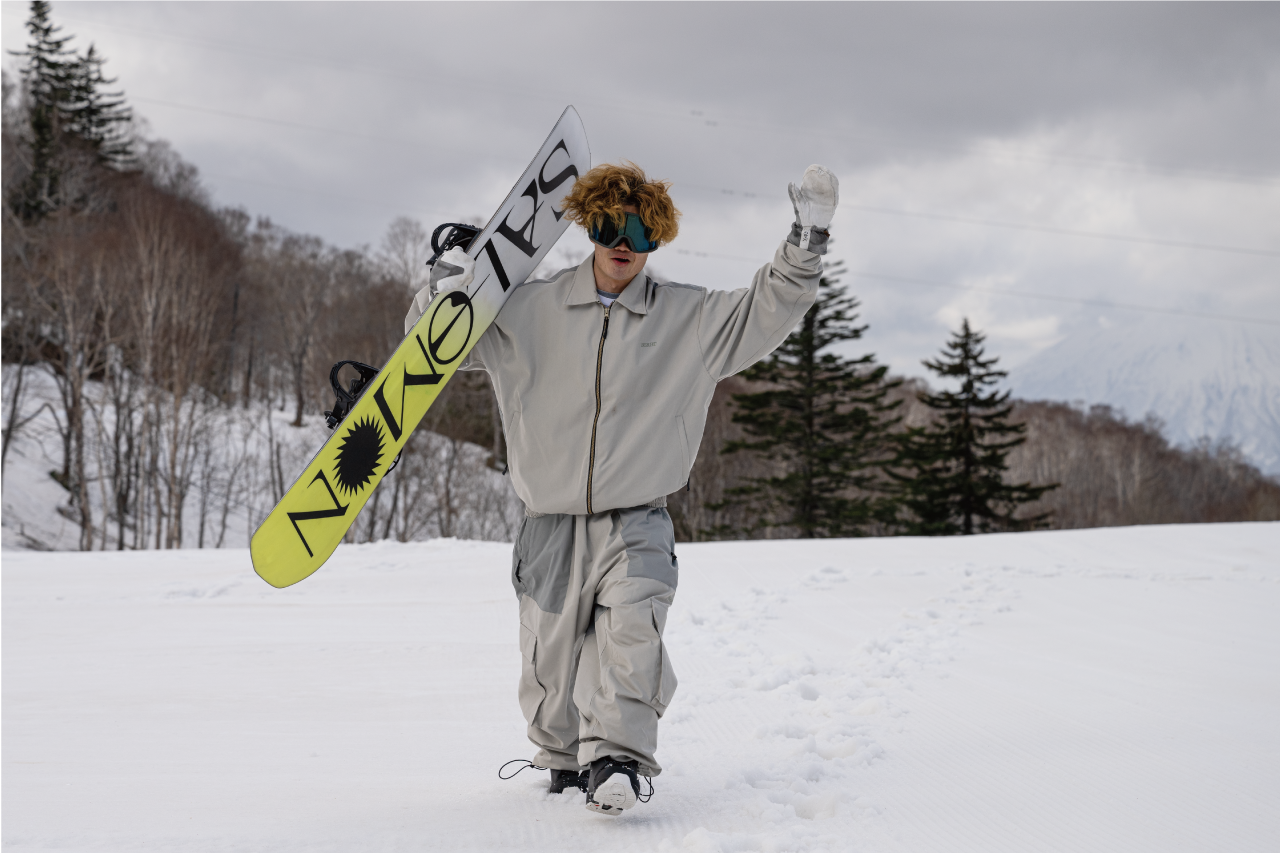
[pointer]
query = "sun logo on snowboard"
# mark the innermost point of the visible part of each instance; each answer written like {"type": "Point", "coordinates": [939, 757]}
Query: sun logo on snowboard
{"type": "Point", "coordinates": [358, 456]}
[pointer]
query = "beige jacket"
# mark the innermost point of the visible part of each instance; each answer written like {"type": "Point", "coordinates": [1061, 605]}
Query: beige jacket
{"type": "Point", "coordinates": [604, 408]}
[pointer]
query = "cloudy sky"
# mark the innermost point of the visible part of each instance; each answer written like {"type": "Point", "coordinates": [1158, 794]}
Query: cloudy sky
{"type": "Point", "coordinates": [1032, 167]}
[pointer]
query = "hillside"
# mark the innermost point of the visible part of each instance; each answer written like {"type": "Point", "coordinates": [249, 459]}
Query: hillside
{"type": "Point", "coordinates": [233, 472]}
{"type": "Point", "coordinates": [1201, 378]}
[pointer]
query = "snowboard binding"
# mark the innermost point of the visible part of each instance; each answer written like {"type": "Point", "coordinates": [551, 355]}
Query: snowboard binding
{"type": "Point", "coordinates": [459, 236]}
{"type": "Point", "coordinates": [347, 397]}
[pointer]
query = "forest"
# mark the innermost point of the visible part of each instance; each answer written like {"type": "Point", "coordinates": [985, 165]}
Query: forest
{"type": "Point", "coordinates": [179, 353]}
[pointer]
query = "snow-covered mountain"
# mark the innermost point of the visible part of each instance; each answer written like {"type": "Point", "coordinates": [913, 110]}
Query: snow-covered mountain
{"type": "Point", "coordinates": [1201, 377]}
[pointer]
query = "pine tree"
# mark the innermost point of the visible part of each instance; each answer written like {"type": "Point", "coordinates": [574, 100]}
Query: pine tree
{"type": "Point", "coordinates": [823, 424]}
{"type": "Point", "coordinates": [955, 467]}
{"type": "Point", "coordinates": [48, 79]}
{"type": "Point", "coordinates": [97, 117]}
{"type": "Point", "coordinates": [67, 106]}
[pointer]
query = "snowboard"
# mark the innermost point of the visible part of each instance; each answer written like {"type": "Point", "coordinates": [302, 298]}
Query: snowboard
{"type": "Point", "coordinates": [305, 527]}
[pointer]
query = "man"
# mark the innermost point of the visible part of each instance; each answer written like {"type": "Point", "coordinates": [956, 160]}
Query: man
{"type": "Point", "coordinates": [604, 378]}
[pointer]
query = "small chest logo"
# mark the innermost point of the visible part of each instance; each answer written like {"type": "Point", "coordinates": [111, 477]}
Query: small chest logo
{"type": "Point", "coordinates": [649, 344]}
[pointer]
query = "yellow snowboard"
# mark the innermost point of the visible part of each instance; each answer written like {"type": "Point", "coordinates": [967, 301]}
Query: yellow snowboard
{"type": "Point", "coordinates": [313, 516]}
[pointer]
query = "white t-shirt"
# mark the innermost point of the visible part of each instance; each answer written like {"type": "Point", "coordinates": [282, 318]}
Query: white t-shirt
{"type": "Point", "coordinates": [606, 298]}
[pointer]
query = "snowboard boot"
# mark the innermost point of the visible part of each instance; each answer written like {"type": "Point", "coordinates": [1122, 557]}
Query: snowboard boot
{"type": "Point", "coordinates": [612, 786]}
{"type": "Point", "coordinates": [564, 779]}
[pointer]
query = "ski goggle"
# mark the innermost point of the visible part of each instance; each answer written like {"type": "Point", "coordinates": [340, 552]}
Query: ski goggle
{"type": "Point", "coordinates": [633, 231]}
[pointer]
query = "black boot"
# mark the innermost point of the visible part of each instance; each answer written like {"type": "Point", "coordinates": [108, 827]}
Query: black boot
{"type": "Point", "coordinates": [564, 779]}
{"type": "Point", "coordinates": [612, 786]}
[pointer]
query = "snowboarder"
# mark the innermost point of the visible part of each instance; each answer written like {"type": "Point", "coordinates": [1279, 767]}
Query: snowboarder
{"type": "Point", "coordinates": [604, 378]}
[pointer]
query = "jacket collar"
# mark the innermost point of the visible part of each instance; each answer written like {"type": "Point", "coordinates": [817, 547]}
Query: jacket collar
{"type": "Point", "coordinates": [582, 290]}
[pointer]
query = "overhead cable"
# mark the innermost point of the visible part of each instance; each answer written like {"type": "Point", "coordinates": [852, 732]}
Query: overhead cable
{"type": "Point", "coordinates": [1095, 303]}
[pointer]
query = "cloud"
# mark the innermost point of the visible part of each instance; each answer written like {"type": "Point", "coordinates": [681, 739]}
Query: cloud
{"type": "Point", "coordinates": [1128, 120]}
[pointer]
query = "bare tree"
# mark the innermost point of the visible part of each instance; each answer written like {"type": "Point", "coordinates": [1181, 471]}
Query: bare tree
{"type": "Point", "coordinates": [1116, 472]}
{"type": "Point", "coordinates": [294, 274]}
{"type": "Point", "coordinates": [404, 253]}
{"type": "Point", "coordinates": [154, 313]}
{"type": "Point", "coordinates": [64, 290]}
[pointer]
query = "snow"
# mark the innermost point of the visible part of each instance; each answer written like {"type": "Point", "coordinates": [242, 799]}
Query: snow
{"type": "Point", "coordinates": [232, 485]}
{"type": "Point", "coordinates": [1099, 690]}
{"type": "Point", "coordinates": [36, 515]}
{"type": "Point", "coordinates": [1200, 377]}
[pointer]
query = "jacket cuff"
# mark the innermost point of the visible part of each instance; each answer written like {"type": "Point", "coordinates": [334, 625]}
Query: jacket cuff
{"type": "Point", "coordinates": [817, 239]}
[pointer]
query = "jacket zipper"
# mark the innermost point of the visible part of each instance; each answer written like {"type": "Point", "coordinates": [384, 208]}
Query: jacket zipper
{"type": "Point", "coordinates": [591, 463]}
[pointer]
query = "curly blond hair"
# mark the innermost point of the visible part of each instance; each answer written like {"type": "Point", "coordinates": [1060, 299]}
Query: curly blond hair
{"type": "Point", "coordinates": [605, 189]}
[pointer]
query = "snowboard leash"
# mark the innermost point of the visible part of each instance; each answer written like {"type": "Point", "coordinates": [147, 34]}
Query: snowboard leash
{"type": "Point", "coordinates": [528, 765]}
{"type": "Point", "coordinates": [644, 798]}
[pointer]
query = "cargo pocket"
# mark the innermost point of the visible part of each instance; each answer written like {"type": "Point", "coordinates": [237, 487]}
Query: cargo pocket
{"type": "Point", "coordinates": [666, 674]}
{"type": "Point", "coordinates": [531, 690]}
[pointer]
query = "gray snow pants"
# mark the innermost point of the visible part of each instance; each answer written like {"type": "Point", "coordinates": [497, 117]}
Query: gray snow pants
{"type": "Point", "coordinates": [594, 592]}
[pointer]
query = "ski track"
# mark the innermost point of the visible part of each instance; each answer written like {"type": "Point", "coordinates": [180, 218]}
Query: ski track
{"type": "Point", "coordinates": [1086, 690]}
{"type": "Point", "coordinates": [807, 788]}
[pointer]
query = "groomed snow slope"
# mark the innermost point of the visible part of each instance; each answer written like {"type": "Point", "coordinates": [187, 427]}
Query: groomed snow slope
{"type": "Point", "coordinates": [1102, 690]}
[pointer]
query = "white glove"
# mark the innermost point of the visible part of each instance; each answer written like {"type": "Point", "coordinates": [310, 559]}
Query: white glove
{"type": "Point", "coordinates": [814, 201]}
{"type": "Point", "coordinates": [451, 271]}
